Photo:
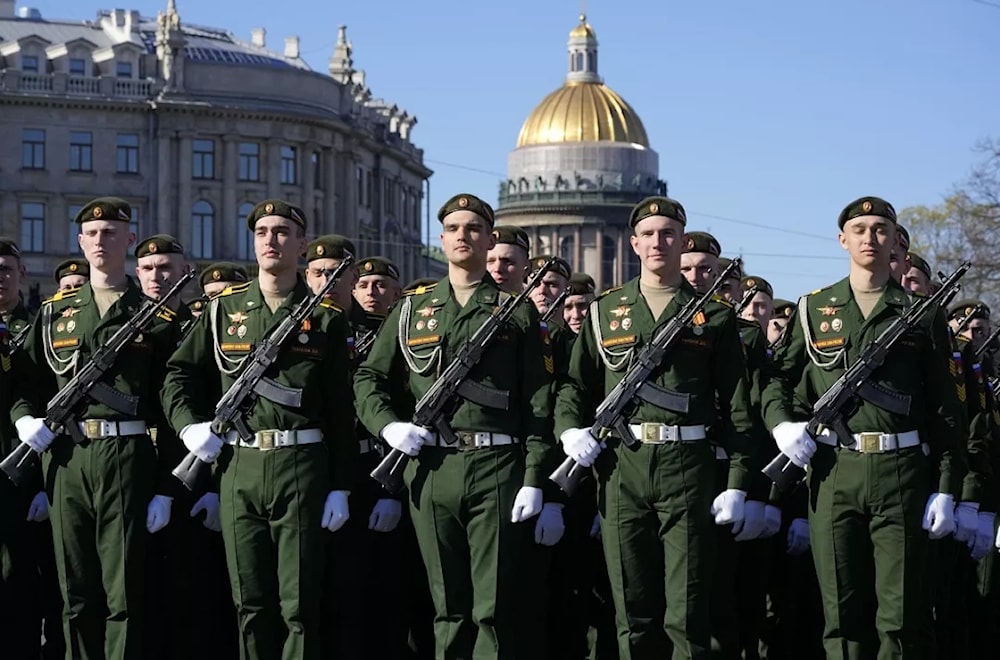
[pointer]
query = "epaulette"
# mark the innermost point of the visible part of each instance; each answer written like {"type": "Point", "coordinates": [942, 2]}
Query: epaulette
{"type": "Point", "coordinates": [813, 293]}
{"type": "Point", "coordinates": [607, 291]}
{"type": "Point", "coordinates": [722, 301]}
{"type": "Point", "coordinates": [329, 304]}
{"type": "Point", "coordinates": [166, 314]}
{"type": "Point", "coordinates": [419, 290]}
{"type": "Point", "coordinates": [917, 294]}
{"type": "Point", "coordinates": [231, 289]}
{"type": "Point", "coordinates": [65, 293]}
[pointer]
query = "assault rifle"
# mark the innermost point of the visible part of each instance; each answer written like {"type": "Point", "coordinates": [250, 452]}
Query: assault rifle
{"type": "Point", "coordinates": [251, 383]}
{"type": "Point", "coordinates": [437, 403]}
{"type": "Point", "coordinates": [87, 384]}
{"type": "Point", "coordinates": [964, 322]}
{"type": "Point", "coordinates": [364, 343]}
{"type": "Point", "coordinates": [555, 304]}
{"type": "Point", "coordinates": [613, 413]}
{"type": "Point", "coordinates": [840, 402]}
{"type": "Point", "coordinates": [18, 340]}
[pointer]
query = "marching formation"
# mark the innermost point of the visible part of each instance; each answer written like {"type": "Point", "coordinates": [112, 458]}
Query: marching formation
{"type": "Point", "coordinates": [501, 464]}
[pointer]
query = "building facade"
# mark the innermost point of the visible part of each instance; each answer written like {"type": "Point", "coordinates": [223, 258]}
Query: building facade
{"type": "Point", "coordinates": [193, 126]}
{"type": "Point", "coordinates": [582, 161]}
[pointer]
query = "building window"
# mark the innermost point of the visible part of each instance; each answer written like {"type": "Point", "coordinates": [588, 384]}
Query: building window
{"type": "Point", "coordinates": [567, 250]}
{"type": "Point", "coordinates": [33, 149]}
{"type": "Point", "coordinates": [123, 69]}
{"type": "Point", "coordinates": [578, 62]}
{"type": "Point", "coordinates": [288, 169]}
{"type": "Point", "coordinates": [592, 61]}
{"type": "Point", "coordinates": [244, 244]}
{"type": "Point", "coordinates": [77, 66]}
{"type": "Point", "coordinates": [135, 226]}
{"type": "Point", "coordinates": [81, 151]}
{"type": "Point", "coordinates": [361, 186]}
{"type": "Point", "coordinates": [317, 165]}
{"type": "Point", "coordinates": [609, 254]}
{"type": "Point", "coordinates": [127, 153]}
{"type": "Point", "coordinates": [32, 227]}
{"type": "Point", "coordinates": [249, 161]}
{"type": "Point", "coordinates": [202, 217]}
{"type": "Point", "coordinates": [29, 63]}
{"type": "Point", "coordinates": [368, 189]}
{"type": "Point", "coordinates": [73, 246]}
{"type": "Point", "coordinates": [203, 159]}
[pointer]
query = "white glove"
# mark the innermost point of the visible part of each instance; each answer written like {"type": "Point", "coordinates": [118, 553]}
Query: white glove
{"type": "Point", "coordinates": [752, 525]}
{"type": "Point", "coordinates": [38, 510]}
{"type": "Point", "coordinates": [581, 446]}
{"type": "Point", "coordinates": [728, 506]}
{"type": "Point", "coordinates": [385, 515]}
{"type": "Point", "coordinates": [939, 515]}
{"type": "Point", "coordinates": [798, 537]}
{"type": "Point", "coordinates": [407, 438]}
{"type": "Point", "coordinates": [209, 503]}
{"type": "Point", "coordinates": [335, 510]}
{"type": "Point", "coordinates": [979, 545]}
{"type": "Point", "coordinates": [795, 442]}
{"type": "Point", "coordinates": [966, 521]}
{"type": "Point", "coordinates": [772, 521]}
{"type": "Point", "coordinates": [158, 513]}
{"type": "Point", "coordinates": [595, 527]}
{"type": "Point", "coordinates": [200, 441]}
{"type": "Point", "coordinates": [550, 526]}
{"type": "Point", "coordinates": [33, 432]}
{"type": "Point", "coordinates": [528, 503]}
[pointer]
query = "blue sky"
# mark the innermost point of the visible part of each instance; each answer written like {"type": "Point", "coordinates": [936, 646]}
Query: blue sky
{"type": "Point", "coordinates": [776, 113]}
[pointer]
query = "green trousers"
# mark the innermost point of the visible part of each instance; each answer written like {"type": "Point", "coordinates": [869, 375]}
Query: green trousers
{"type": "Point", "coordinates": [865, 520]}
{"type": "Point", "coordinates": [461, 504]}
{"type": "Point", "coordinates": [98, 493]}
{"type": "Point", "coordinates": [21, 607]}
{"type": "Point", "coordinates": [658, 534]}
{"type": "Point", "coordinates": [984, 606]}
{"type": "Point", "coordinates": [271, 510]}
{"type": "Point", "coordinates": [725, 625]}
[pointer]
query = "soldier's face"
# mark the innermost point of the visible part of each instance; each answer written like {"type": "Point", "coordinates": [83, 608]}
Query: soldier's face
{"type": "Point", "coordinates": [105, 243]}
{"type": "Point", "coordinates": [976, 330]}
{"type": "Point", "coordinates": [870, 240]}
{"type": "Point", "coordinates": [575, 311]}
{"type": "Point", "coordinates": [157, 273]}
{"type": "Point", "coordinates": [550, 288]}
{"type": "Point", "coordinates": [657, 242]}
{"type": "Point", "coordinates": [699, 269]}
{"type": "Point", "coordinates": [916, 281]}
{"type": "Point", "coordinates": [317, 272]}
{"type": "Point", "coordinates": [278, 242]}
{"type": "Point", "coordinates": [759, 309]}
{"type": "Point", "coordinates": [71, 281]}
{"type": "Point", "coordinates": [466, 240]}
{"type": "Point", "coordinates": [775, 327]}
{"type": "Point", "coordinates": [11, 273]}
{"type": "Point", "coordinates": [376, 293]}
{"type": "Point", "coordinates": [730, 290]}
{"type": "Point", "coordinates": [507, 264]}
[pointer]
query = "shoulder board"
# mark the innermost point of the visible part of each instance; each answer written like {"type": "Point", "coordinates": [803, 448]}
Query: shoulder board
{"type": "Point", "coordinates": [722, 301]}
{"type": "Point", "coordinates": [611, 290]}
{"type": "Point", "coordinates": [813, 293]}
{"type": "Point", "coordinates": [231, 289]}
{"type": "Point", "coordinates": [166, 314]}
{"type": "Point", "coordinates": [419, 290]}
{"type": "Point", "coordinates": [65, 293]}
{"type": "Point", "coordinates": [917, 294]}
{"type": "Point", "coordinates": [329, 304]}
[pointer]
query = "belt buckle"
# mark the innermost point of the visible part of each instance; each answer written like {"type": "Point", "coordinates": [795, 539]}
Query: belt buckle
{"type": "Point", "coordinates": [93, 429]}
{"type": "Point", "coordinates": [466, 440]}
{"type": "Point", "coordinates": [265, 440]}
{"type": "Point", "coordinates": [870, 443]}
{"type": "Point", "coordinates": [651, 433]}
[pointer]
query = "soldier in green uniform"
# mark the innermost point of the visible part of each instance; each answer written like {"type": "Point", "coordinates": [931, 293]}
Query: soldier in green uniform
{"type": "Point", "coordinates": [280, 488]}
{"type": "Point", "coordinates": [109, 492]}
{"type": "Point", "coordinates": [757, 299]}
{"type": "Point", "coordinates": [197, 306]}
{"type": "Point", "coordinates": [507, 261]}
{"type": "Point", "coordinates": [897, 256]}
{"type": "Point", "coordinates": [776, 326]}
{"type": "Point", "coordinates": [219, 276]}
{"type": "Point", "coordinates": [731, 287]}
{"type": "Point", "coordinates": [377, 288]}
{"type": "Point", "coordinates": [577, 303]}
{"type": "Point", "coordinates": [656, 497]}
{"type": "Point", "coordinates": [71, 274]}
{"type": "Point", "coordinates": [468, 500]}
{"type": "Point", "coordinates": [917, 278]}
{"type": "Point", "coordinates": [873, 493]}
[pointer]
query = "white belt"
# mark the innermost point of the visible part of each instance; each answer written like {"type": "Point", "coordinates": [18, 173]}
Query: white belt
{"type": "Point", "coordinates": [97, 429]}
{"type": "Point", "coordinates": [874, 443]}
{"type": "Point", "coordinates": [478, 440]}
{"type": "Point", "coordinates": [657, 434]}
{"type": "Point", "coordinates": [274, 439]}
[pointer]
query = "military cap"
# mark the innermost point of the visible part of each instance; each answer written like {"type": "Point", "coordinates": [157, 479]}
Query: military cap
{"type": "Point", "coordinates": [724, 264]}
{"type": "Point", "coordinates": [198, 304]}
{"type": "Point", "coordinates": [581, 284]}
{"type": "Point", "coordinates": [918, 262]}
{"type": "Point", "coordinates": [664, 206]}
{"type": "Point", "coordinates": [420, 282]}
{"type": "Point", "coordinates": [71, 267]}
{"type": "Point", "coordinates": [158, 244]}
{"type": "Point", "coordinates": [467, 202]}
{"type": "Point", "coordinates": [904, 237]}
{"type": "Point", "coordinates": [866, 206]}
{"type": "Point", "coordinates": [8, 248]}
{"type": "Point", "coordinates": [783, 309]}
{"type": "Point", "coordinates": [512, 236]}
{"type": "Point", "coordinates": [963, 308]}
{"type": "Point", "coordinates": [279, 208]}
{"type": "Point", "coordinates": [105, 208]}
{"type": "Point", "coordinates": [331, 246]}
{"type": "Point", "coordinates": [378, 266]}
{"type": "Point", "coordinates": [699, 241]}
{"type": "Point", "coordinates": [561, 266]}
{"type": "Point", "coordinates": [224, 271]}
{"type": "Point", "coordinates": [759, 283]}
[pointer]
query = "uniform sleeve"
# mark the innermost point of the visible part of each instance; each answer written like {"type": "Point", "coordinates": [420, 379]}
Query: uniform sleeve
{"type": "Point", "coordinates": [756, 358]}
{"type": "Point", "coordinates": [37, 383]}
{"type": "Point", "coordinates": [341, 436]}
{"type": "Point", "coordinates": [184, 396]}
{"type": "Point", "coordinates": [536, 404]}
{"type": "Point", "coordinates": [169, 449]}
{"type": "Point", "coordinates": [580, 388]}
{"type": "Point", "coordinates": [978, 414]}
{"type": "Point", "coordinates": [373, 381]}
{"type": "Point", "coordinates": [945, 417]}
{"type": "Point", "coordinates": [778, 402]}
{"type": "Point", "coordinates": [732, 389]}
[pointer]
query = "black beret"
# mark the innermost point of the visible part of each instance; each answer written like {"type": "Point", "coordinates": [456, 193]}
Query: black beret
{"type": "Point", "coordinates": [198, 304]}
{"type": "Point", "coordinates": [276, 207]}
{"type": "Point", "coordinates": [664, 206]}
{"type": "Point", "coordinates": [378, 266]}
{"type": "Point", "coordinates": [918, 262]}
{"type": "Point", "coordinates": [512, 236]}
{"type": "Point", "coordinates": [561, 266]}
{"type": "Point", "coordinates": [866, 206]}
{"type": "Point", "coordinates": [331, 246]}
{"type": "Point", "coordinates": [105, 208]}
{"type": "Point", "coordinates": [699, 241]}
{"type": "Point", "coordinates": [758, 283]}
{"type": "Point", "coordinates": [904, 237]}
{"type": "Point", "coordinates": [724, 264]}
{"type": "Point", "coordinates": [581, 284]}
{"type": "Point", "coordinates": [158, 244]}
{"type": "Point", "coordinates": [466, 202]}
{"type": "Point", "coordinates": [71, 267]}
{"type": "Point", "coordinates": [8, 248]}
{"type": "Point", "coordinates": [963, 308]}
{"type": "Point", "coordinates": [420, 282]}
{"type": "Point", "coordinates": [783, 308]}
{"type": "Point", "coordinates": [224, 271]}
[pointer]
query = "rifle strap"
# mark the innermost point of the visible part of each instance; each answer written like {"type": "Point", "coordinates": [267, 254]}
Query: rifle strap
{"type": "Point", "coordinates": [412, 357]}
{"type": "Point", "coordinates": [614, 359]}
{"type": "Point", "coordinates": [59, 365]}
{"type": "Point", "coordinates": [226, 364]}
{"type": "Point", "coordinates": [822, 359]}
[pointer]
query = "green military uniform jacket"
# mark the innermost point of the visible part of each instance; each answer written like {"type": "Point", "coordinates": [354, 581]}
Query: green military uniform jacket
{"type": "Point", "coordinates": [315, 359]}
{"type": "Point", "coordinates": [419, 340]}
{"type": "Point", "coordinates": [804, 368]}
{"type": "Point", "coordinates": [364, 325]}
{"type": "Point", "coordinates": [972, 391]}
{"type": "Point", "coordinates": [755, 352]}
{"type": "Point", "coordinates": [991, 490]}
{"type": "Point", "coordinates": [16, 321]}
{"type": "Point", "coordinates": [707, 364]}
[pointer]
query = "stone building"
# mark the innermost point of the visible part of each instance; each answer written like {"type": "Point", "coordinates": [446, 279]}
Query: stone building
{"type": "Point", "coordinates": [582, 161]}
{"type": "Point", "coordinates": [192, 126]}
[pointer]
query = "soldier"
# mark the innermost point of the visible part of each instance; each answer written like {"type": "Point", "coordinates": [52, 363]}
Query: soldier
{"type": "Point", "coordinates": [730, 290]}
{"type": "Point", "coordinates": [552, 286]}
{"type": "Point", "coordinates": [870, 494]}
{"type": "Point", "coordinates": [198, 305]}
{"type": "Point", "coordinates": [280, 488]}
{"type": "Point", "coordinates": [377, 288]}
{"type": "Point", "coordinates": [577, 303]}
{"type": "Point", "coordinates": [656, 497]}
{"type": "Point", "coordinates": [759, 306]}
{"type": "Point", "coordinates": [107, 493]}
{"type": "Point", "coordinates": [917, 278]}
{"type": "Point", "coordinates": [467, 499]}
{"type": "Point", "coordinates": [71, 274]}
{"type": "Point", "coordinates": [220, 276]}
{"type": "Point", "coordinates": [783, 310]}
{"type": "Point", "coordinates": [897, 256]}
{"type": "Point", "coordinates": [700, 260]}
{"type": "Point", "coordinates": [507, 262]}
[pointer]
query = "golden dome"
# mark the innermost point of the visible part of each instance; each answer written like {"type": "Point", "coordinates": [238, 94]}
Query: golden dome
{"type": "Point", "coordinates": [583, 112]}
{"type": "Point", "coordinates": [583, 30]}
